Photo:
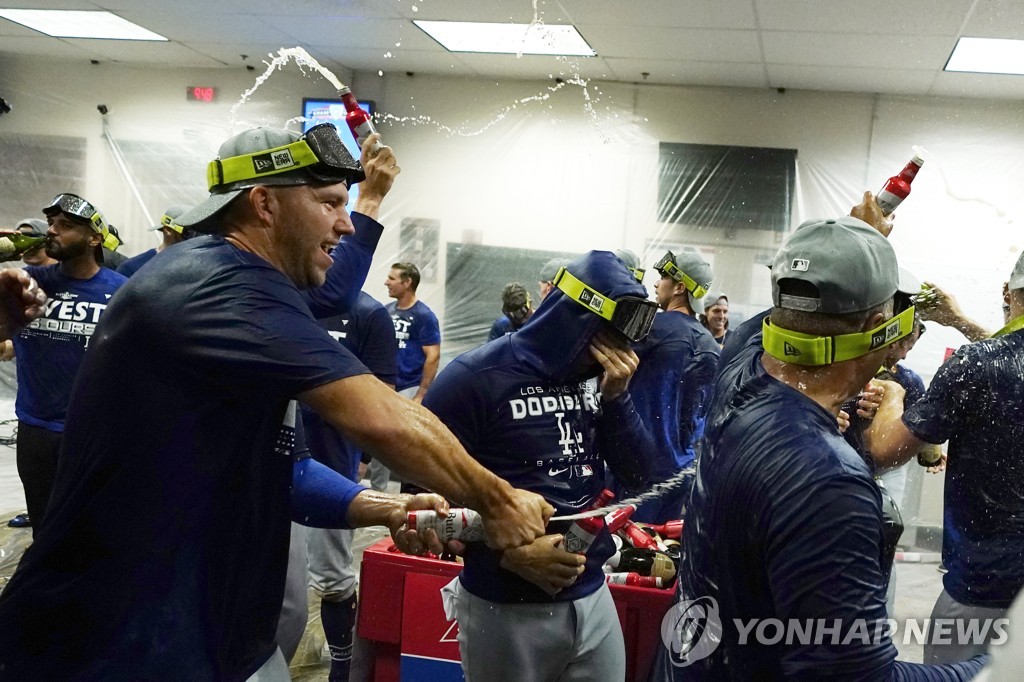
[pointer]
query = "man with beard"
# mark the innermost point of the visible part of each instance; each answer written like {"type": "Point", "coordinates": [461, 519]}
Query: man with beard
{"type": "Point", "coordinates": [50, 349]}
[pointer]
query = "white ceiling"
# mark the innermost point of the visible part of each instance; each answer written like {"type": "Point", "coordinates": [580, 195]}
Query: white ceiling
{"type": "Point", "coordinates": [849, 45]}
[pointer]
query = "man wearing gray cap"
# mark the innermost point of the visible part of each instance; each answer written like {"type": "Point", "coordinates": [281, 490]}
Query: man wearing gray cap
{"type": "Point", "coordinates": [516, 309]}
{"type": "Point", "coordinates": [784, 522]}
{"type": "Point", "coordinates": [547, 275]}
{"type": "Point", "coordinates": [975, 401]}
{"type": "Point", "coordinates": [171, 233]}
{"type": "Point", "coordinates": [164, 550]}
{"type": "Point", "coordinates": [672, 385]}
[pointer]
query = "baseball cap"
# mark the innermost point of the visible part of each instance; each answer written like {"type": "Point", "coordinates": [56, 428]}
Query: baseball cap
{"type": "Point", "coordinates": [1017, 276]}
{"type": "Point", "coordinates": [551, 268]}
{"type": "Point", "coordinates": [712, 300]}
{"type": "Point", "coordinates": [170, 218]}
{"type": "Point", "coordinates": [691, 266]}
{"type": "Point", "coordinates": [36, 227]}
{"type": "Point", "coordinates": [513, 297]}
{"type": "Point", "coordinates": [271, 156]}
{"type": "Point", "coordinates": [849, 263]}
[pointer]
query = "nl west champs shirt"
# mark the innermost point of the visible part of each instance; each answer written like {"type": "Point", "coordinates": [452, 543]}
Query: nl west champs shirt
{"type": "Point", "coordinates": [50, 349]}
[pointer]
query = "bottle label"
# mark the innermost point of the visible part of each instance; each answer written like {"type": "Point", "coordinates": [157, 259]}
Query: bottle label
{"type": "Point", "coordinates": [578, 540]}
{"type": "Point", "coordinates": [888, 201]}
{"type": "Point", "coordinates": [460, 524]}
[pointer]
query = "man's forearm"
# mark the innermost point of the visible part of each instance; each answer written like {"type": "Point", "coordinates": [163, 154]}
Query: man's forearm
{"type": "Point", "coordinates": [971, 329]}
{"type": "Point", "coordinates": [429, 372]}
{"type": "Point", "coordinates": [409, 440]}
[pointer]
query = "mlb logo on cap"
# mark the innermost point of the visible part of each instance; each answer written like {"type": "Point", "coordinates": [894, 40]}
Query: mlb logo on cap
{"type": "Point", "coordinates": [800, 264]}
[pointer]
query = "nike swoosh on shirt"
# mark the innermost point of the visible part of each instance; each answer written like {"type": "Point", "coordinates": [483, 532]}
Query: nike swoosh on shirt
{"type": "Point", "coordinates": [555, 472]}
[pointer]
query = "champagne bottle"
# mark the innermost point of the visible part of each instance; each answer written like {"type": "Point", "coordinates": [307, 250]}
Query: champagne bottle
{"type": "Point", "coordinates": [643, 561]}
{"type": "Point", "coordinates": [12, 246]}
{"type": "Point", "coordinates": [359, 122]}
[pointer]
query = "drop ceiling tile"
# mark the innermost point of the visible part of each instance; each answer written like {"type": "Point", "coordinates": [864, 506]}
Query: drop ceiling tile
{"type": "Point", "coordinates": [383, 34]}
{"type": "Point", "coordinates": [907, 17]}
{"type": "Point", "coordinates": [749, 75]}
{"type": "Point", "coordinates": [206, 26]}
{"type": "Point", "coordinates": [416, 61]}
{"type": "Point", "coordinates": [996, 19]}
{"type": "Point", "coordinates": [39, 45]}
{"type": "Point", "coordinates": [727, 14]}
{"type": "Point", "coordinates": [674, 43]}
{"type": "Point", "coordinates": [856, 50]}
{"type": "Point", "coordinates": [144, 52]}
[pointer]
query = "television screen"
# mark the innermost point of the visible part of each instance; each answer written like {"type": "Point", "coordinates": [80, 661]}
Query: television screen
{"type": "Point", "coordinates": [317, 111]}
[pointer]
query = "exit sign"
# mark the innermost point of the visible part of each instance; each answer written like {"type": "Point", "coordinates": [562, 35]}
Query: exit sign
{"type": "Point", "coordinates": [199, 93]}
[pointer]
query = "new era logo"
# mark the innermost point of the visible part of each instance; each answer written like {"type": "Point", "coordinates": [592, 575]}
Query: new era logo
{"type": "Point", "coordinates": [800, 264]}
{"type": "Point", "coordinates": [265, 163]}
{"type": "Point", "coordinates": [791, 349]}
{"type": "Point", "coordinates": [891, 331]}
{"type": "Point", "coordinates": [593, 300]}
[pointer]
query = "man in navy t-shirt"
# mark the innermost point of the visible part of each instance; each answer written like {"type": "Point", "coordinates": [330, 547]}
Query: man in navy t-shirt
{"type": "Point", "coordinates": [784, 529]}
{"type": "Point", "coordinates": [975, 401]}
{"type": "Point", "coordinates": [672, 385]}
{"type": "Point", "coordinates": [419, 346]}
{"type": "Point", "coordinates": [171, 233]}
{"type": "Point", "coordinates": [367, 332]}
{"type": "Point", "coordinates": [526, 408]}
{"type": "Point", "coordinates": [50, 350]}
{"type": "Point", "coordinates": [164, 552]}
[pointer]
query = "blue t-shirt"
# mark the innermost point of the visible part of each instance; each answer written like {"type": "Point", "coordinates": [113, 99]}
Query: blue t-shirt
{"type": "Point", "coordinates": [785, 522]}
{"type": "Point", "coordinates": [415, 328]}
{"type": "Point", "coordinates": [367, 332]}
{"type": "Point", "coordinates": [164, 549]}
{"type": "Point", "coordinates": [672, 388]}
{"type": "Point", "coordinates": [132, 265]}
{"type": "Point", "coordinates": [501, 327]}
{"type": "Point", "coordinates": [49, 350]}
{"type": "Point", "coordinates": [974, 401]}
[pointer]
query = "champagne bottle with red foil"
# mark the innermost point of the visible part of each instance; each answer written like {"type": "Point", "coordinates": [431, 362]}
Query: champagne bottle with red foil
{"type": "Point", "coordinates": [618, 521]}
{"type": "Point", "coordinates": [358, 120]}
{"type": "Point", "coordinates": [464, 525]}
{"type": "Point", "coordinates": [897, 188]}
{"type": "Point", "coordinates": [670, 530]}
{"type": "Point", "coordinates": [634, 580]}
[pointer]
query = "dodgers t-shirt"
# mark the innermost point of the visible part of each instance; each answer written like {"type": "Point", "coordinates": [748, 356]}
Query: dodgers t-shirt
{"type": "Point", "coordinates": [49, 350]}
{"type": "Point", "coordinates": [164, 550]}
{"type": "Point", "coordinates": [415, 327]}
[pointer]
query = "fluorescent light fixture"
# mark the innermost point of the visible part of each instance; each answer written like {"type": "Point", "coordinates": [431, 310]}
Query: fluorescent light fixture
{"type": "Point", "coordinates": [466, 36]}
{"type": "Point", "coordinates": [79, 24]}
{"type": "Point", "coordinates": [987, 55]}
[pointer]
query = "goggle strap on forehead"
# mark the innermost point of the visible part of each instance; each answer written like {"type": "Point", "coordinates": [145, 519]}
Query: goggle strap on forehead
{"type": "Point", "coordinates": [586, 296]}
{"type": "Point", "coordinates": [261, 164]}
{"type": "Point", "coordinates": [796, 348]}
{"type": "Point", "coordinates": [667, 266]}
{"type": "Point", "coordinates": [633, 316]}
{"type": "Point", "coordinates": [168, 221]}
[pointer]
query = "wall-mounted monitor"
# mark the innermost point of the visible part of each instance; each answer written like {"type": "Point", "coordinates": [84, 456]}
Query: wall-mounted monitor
{"type": "Point", "coordinates": [317, 111]}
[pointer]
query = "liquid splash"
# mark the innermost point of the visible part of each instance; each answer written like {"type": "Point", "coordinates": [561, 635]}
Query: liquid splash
{"type": "Point", "coordinates": [286, 54]}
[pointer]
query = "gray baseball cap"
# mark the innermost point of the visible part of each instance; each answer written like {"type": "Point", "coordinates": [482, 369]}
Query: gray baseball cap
{"type": "Point", "coordinates": [709, 301]}
{"type": "Point", "coordinates": [551, 268]}
{"type": "Point", "coordinates": [850, 264]}
{"type": "Point", "coordinates": [1017, 276]}
{"type": "Point", "coordinates": [271, 164]}
{"type": "Point", "coordinates": [697, 269]}
{"type": "Point", "coordinates": [631, 260]}
{"type": "Point", "coordinates": [173, 212]}
{"type": "Point", "coordinates": [36, 227]}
